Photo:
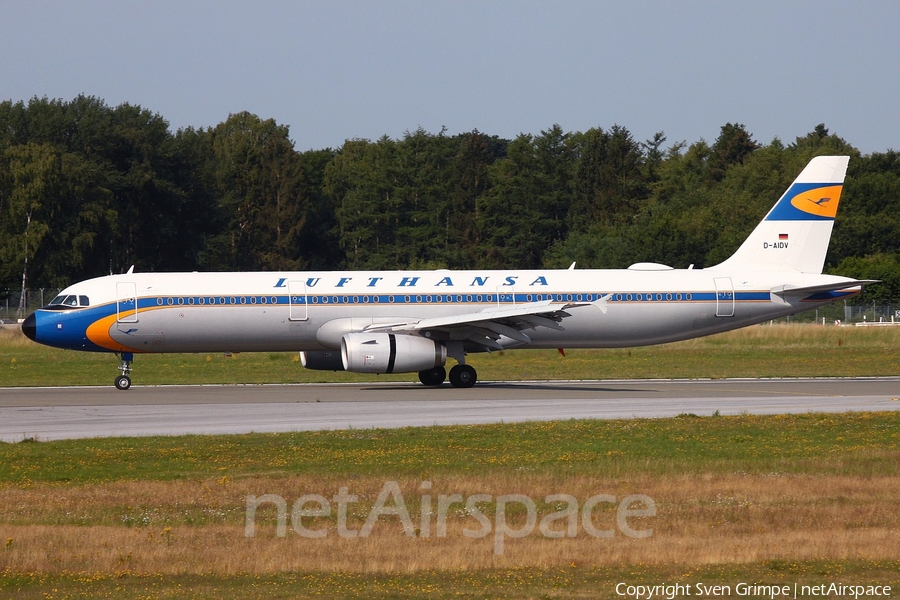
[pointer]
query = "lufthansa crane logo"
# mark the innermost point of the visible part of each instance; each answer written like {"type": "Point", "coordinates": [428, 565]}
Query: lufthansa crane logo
{"type": "Point", "coordinates": [821, 201]}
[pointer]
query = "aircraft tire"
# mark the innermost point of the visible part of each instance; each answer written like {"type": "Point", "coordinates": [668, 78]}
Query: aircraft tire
{"type": "Point", "coordinates": [123, 382]}
{"type": "Point", "coordinates": [463, 376]}
{"type": "Point", "coordinates": [433, 377]}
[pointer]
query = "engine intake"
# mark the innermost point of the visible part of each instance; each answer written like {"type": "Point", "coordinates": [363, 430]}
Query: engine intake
{"type": "Point", "coordinates": [390, 353]}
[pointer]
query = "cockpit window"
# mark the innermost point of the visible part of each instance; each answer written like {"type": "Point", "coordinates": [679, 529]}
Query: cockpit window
{"type": "Point", "coordinates": [70, 300]}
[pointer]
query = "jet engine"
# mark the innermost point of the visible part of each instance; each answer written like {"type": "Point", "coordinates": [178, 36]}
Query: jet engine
{"type": "Point", "coordinates": [328, 360]}
{"type": "Point", "coordinates": [390, 353]}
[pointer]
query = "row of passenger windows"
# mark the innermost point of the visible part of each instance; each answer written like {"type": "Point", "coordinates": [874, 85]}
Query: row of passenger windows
{"type": "Point", "coordinates": [429, 298]}
{"type": "Point", "coordinates": [651, 297]}
{"type": "Point", "coordinates": [203, 300]}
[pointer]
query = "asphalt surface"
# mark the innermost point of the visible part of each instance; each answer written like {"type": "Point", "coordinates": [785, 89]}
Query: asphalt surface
{"type": "Point", "coordinates": [84, 412]}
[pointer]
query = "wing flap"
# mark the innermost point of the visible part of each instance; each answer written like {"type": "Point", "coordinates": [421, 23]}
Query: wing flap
{"type": "Point", "coordinates": [486, 327]}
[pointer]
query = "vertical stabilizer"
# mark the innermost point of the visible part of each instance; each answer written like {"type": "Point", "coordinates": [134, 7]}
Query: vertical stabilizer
{"type": "Point", "coordinates": [794, 235]}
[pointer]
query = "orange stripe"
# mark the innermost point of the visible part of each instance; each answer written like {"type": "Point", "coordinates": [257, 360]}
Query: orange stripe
{"type": "Point", "coordinates": [98, 332]}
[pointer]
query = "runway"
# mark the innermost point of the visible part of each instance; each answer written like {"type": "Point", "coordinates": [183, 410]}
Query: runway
{"type": "Point", "coordinates": [85, 412]}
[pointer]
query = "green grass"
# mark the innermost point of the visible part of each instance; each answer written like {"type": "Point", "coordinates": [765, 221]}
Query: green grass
{"type": "Point", "coordinates": [851, 443]}
{"type": "Point", "coordinates": [761, 351]}
{"type": "Point", "coordinates": [862, 447]}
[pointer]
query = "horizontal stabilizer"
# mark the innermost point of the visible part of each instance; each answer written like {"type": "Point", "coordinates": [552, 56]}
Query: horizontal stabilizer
{"type": "Point", "coordinates": [782, 290]}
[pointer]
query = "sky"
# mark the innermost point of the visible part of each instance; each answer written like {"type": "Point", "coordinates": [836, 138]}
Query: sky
{"type": "Point", "coordinates": [336, 70]}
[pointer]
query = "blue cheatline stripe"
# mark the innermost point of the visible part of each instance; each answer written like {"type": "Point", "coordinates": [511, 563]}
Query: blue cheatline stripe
{"type": "Point", "coordinates": [410, 299]}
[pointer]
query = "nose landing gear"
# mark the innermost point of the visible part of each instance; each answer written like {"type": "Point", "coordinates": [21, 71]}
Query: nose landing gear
{"type": "Point", "coordinates": [123, 381]}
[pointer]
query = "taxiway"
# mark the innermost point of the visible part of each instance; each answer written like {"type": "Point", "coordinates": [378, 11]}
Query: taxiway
{"type": "Point", "coordinates": [84, 412]}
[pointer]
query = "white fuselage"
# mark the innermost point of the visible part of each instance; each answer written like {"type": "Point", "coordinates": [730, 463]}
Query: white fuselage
{"type": "Point", "coordinates": [308, 311]}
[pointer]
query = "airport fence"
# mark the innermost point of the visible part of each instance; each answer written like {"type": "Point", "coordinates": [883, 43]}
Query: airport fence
{"type": "Point", "coordinates": [844, 313]}
{"type": "Point", "coordinates": [13, 308]}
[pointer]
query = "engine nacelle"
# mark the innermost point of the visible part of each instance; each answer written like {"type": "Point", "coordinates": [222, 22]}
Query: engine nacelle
{"type": "Point", "coordinates": [328, 360]}
{"type": "Point", "coordinates": [390, 353]}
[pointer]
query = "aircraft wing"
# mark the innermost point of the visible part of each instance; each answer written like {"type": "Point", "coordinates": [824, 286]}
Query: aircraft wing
{"type": "Point", "coordinates": [487, 326]}
{"type": "Point", "coordinates": [781, 290]}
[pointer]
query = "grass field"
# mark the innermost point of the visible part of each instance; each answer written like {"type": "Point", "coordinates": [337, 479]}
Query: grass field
{"type": "Point", "coordinates": [760, 351]}
{"type": "Point", "coordinates": [789, 499]}
{"type": "Point", "coordinates": [795, 499]}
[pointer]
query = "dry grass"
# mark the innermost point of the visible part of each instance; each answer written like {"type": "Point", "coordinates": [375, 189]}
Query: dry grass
{"type": "Point", "coordinates": [197, 527]}
{"type": "Point", "coordinates": [12, 337]}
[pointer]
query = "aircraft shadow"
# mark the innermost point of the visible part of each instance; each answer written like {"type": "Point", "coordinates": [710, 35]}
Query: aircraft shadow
{"type": "Point", "coordinates": [415, 387]}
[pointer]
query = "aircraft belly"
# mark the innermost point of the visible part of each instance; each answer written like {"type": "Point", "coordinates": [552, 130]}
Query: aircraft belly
{"type": "Point", "coordinates": [642, 325]}
{"type": "Point", "coordinates": [624, 325]}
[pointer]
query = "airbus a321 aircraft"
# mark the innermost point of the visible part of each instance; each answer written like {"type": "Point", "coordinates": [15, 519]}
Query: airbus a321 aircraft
{"type": "Point", "coordinates": [412, 321]}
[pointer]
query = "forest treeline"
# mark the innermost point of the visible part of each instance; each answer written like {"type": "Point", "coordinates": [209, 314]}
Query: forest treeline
{"type": "Point", "coordinates": [87, 189]}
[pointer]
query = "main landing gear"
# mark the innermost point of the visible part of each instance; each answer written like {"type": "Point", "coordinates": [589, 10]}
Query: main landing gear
{"type": "Point", "coordinates": [123, 381]}
{"type": "Point", "coordinates": [433, 377]}
{"type": "Point", "coordinates": [461, 376]}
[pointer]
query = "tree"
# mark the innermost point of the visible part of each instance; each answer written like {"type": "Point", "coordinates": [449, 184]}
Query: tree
{"type": "Point", "coordinates": [259, 189]}
{"type": "Point", "coordinates": [34, 174]}
{"type": "Point", "coordinates": [609, 182]}
{"type": "Point", "coordinates": [868, 222]}
{"type": "Point", "coordinates": [422, 178]}
{"type": "Point", "coordinates": [120, 200]}
{"type": "Point", "coordinates": [524, 211]}
{"type": "Point", "coordinates": [883, 267]}
{"type": "Point", "coordinates": [653, 156]}
{"type": "Point", "coordinates": [409, 203]}
{"type": "Point", "coordinates": [154, 231]}
{"type": "Point", "coordinates": [732, 147]}
{"type": "Point", "coordinates": [471, 179]}
{"type": "Point", "coordinates": [319, 243]}
{"type": "Point", "coordinates": [358, 183]}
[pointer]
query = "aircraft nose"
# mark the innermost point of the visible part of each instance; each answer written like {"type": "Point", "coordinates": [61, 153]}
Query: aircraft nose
{"type": "Point", "coordinates": [29, 327]}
